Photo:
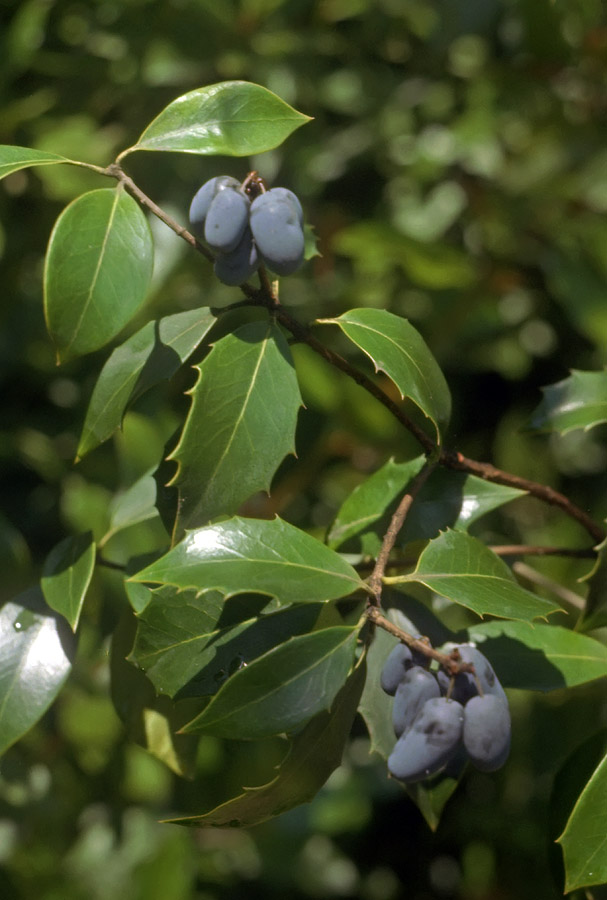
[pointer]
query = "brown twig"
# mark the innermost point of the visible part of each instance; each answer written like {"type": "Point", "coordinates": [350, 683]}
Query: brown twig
{"type": "Point", "coordinates": [450, 459]}
{"type": "Point", "coordinates": [396, 523]}
{"type": "Point", "coordinates": [450, 662]}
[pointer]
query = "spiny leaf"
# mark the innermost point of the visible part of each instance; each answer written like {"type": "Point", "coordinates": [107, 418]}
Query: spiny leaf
{"type": "Point", "coordinates": [255, 555]}
{"type": "Point", "coordinates": [579, 401]}
{"type": "Point", "coordinates": [240, 426]}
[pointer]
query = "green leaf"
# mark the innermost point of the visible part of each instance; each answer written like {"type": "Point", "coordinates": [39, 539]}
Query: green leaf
{"type": "Point", "coordinates": [375, 704]}
{"type": "Point", "coordinates": [539, 658]}
{"type": "Point", "coordinates": [134, 505]}
{"type": "Point", "coordinates": [232, 118]}
{"type": "Point", "coordinates": [396, 348]}
{"type": "Point", "coordinates": [314, 753]}
{"type": "Point", "coordinates": [190, 643]}
{"type": "Point", "coordinates": [267, 557]}
{"type": "Point", "coordinates": [36, 649]}
{"type": "Point", "coordinates": [150, 720]}
{"type": "Point", "coordinates": [595, 613]}
{"type": "Point", "coordinates": [66, 576]}
{"type": "Point", "coordinates": [241, 424]}
{"type": "Point", "coordinates": [151, 355]}
{"type": "Point", "coordinates": [448, 499]}
{"type": "Point", "coordinates": [579, 401]}
{"type": "Point", "coordinates": [283, 689]}
{"type": "Point", "coordinates": [584, 840]}
{"type": "Point", "coordinates": [14, 158]}
{"type": "Point", "coordinates": [462, 569]}
{"type": "Point", "coordinates": [97, 270]}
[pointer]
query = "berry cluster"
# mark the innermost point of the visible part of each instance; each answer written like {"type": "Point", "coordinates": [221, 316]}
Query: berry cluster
{"type": "Point", "coordinates": [246, 233]}
{"type": "Point", "coordinates": [434, 715]}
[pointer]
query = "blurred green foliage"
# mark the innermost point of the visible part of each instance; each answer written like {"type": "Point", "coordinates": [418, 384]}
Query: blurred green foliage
{"type": "Point", "coordinates": [456, 174]}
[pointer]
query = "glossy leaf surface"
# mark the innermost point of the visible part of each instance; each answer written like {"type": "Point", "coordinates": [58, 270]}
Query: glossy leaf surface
{"type": "Point", "coordinates": [36, 649]}
{"type": "Point", "coordinates": [14, 158]}
{"type": "Point", "coordinates": [97, 270]}
{"type": "Point", "coordinates": [283, 689]}
{"type": "Point", "coordinates": [541, 657]}
{"type": "Point", "coordinates": [232, 118]}
{"type": "Point", "coordinates": [584, 840]}
{"type": "Point", "coordinates": [448, 499]}
{"type": "Point", "coordinates": [579, 401]}
{"type": "Point", "coordinates": [240, 426]}
{"type": "Point", "coordinates": [397, 348]}
{"type": "Point", "coordinates": [462, 569]}
{"type": "Point", "coordinates": [151, 355]}
{"type": "Point", "coordinates": [66, 575]}
{"type": "Point", "coordinates": [190, 643]}
{"type": "Point", "coordinates": [314, 753]}
{"type": "Point", "coordinates": [267, 557]}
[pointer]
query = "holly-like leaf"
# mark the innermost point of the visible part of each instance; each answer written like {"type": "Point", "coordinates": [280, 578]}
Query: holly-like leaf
{"type": "Point", "coordinates": [283, 689]}
{"type": "Point", "coordinates": [232, 118]}
{"type": "Point", "coordinates": [97, 270]}
{"type": "Point", "coordinates": [314, 753]}
{"type": "Point", "coordinates": [36, 650]}
{"type": "Point", "coordinates": [397, 348]}
{"type": "Point", "coordinates": [584, 840]}
{"type": "Point", "coordinates": [595, 613]}
{"type": "Point", "coordinates": [579, 401]}
{"type": "Point", "coordinates": [541, 658]}
{"type": "Point", "coordinates": [462, 569]}
{"type": "Point", "coordinates": [66, 575]}
{"type": "Point", "coordinates": [14, 158]}
{"type": "Point", "coordinates": [190, 643]}
{"type": "Point", "coordinates": [151, 355]}
{"type": "Point", "coordinates": [241, 424]}
{"type": "Point", "coordinates": [447, 499]}
{"type": "Point", "coordinates": [375, 704]}
{"type": "Point", "coordinates": [255, 555]}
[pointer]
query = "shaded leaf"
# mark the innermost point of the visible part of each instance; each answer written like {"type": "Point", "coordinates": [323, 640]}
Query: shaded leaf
{"type": "Point", "coordinates": [151, 355]}
{"type": "Point", "coordinates": [462, 569]}
{"type": "Point", "coordinates": [190, 643]}
{"type": "Point", "coordinates": [539, 658]}
{"type": "Point", "coordinates": [595, 612]}
{"type": "Point", "coordinates": [267, 557]}
{"type": "Point", "coordinates": [397, 348]}
{"type": "Point", "coordinates": [579, 401]}
{"type": "Point", "coordinates": [232, 118]}
{"type": "Point", "coordinates": [240, 426]}
{"type": "Point", "coordinates": [314, 753]}
{"type": "Point", "coordinates": [36, 651]}
{"type": "Point", "coordinates": [150, 721]}
{"type": "Point", "coordinates": [447, 499]}
{"type": "Point", "coordinates": [66, 575]}
{"type": "Point", "coordinates": [97, 270]}
{"type": "Point", "coordinates": [375, 704]}
{"type": "Point", "coordinates": [14, 158]}
{"type": "Point", "coordinates": [283, 689]}
{"type": "Point", "coordinates": [584, 840]}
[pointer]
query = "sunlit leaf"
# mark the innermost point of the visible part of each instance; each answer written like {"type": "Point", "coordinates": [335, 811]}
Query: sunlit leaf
{"type": "Point", "coordinates": [579, 401]}
{"type": "Point", "coordinates": [584, 840]}
{"type": "Point", "coordinates": [66, 575]}
{"type": "Point", "coordinates": [135, 504]}
{"type": "Point", "coordinates": [240, 426]}
{"type": "Point", "coordinates": [97, 270]}
{"type": "Point", "coordinates": [151, 355]}
{"type": "Point", "coordinates": [315, 752]}
{"type": "Point", "coordinates": [462, 569]}
{"type": "Point", "coordinates": [268, 557]}
{"type": "Point", "coordinates": [232, 118]}
{"type": "Point", "coordinates": [539, 658]}
{"type": "Point", "coordinates": [283, 689]}
{"type": "Point", "coordinates": [397, 348]}
{"type": "Point", "coordinates": [36, 651]}
{"type": "Point", "coordinates": [14, 158]}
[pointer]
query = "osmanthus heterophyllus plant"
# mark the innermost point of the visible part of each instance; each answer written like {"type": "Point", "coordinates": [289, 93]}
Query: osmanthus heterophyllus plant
{"type": "Point", "coordinates": [248, 628]}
